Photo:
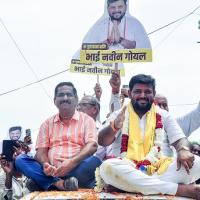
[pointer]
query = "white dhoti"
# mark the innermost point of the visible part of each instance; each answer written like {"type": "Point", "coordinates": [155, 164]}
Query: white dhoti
{"type": "Point", "coordinates": [121, 174]}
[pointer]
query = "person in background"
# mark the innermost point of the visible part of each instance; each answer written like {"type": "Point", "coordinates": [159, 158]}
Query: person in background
{"type": "Point", "coordinates": [68, 131]}
{"type": "Point", "coordinates": [15, 133]}
{"type": "Point", "coordinates": [189, 122]}
{"type": "Point", "coordinates": [91, 106]}
{"type": "Point", "coordinates": [98, 93]}
{"type": "Point", "coordinates": [12, 182]}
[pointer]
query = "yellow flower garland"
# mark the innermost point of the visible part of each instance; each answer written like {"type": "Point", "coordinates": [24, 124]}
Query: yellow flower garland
{"type": "Point", "coordinates": [139, 149]}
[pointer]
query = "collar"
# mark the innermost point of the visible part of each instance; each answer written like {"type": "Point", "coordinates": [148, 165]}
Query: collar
{"type": "Point", "coordinates": [74, 117]}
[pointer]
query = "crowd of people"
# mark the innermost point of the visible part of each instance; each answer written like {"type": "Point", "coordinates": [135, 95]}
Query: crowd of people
{"type": "Point", "coordinates": [140, 147]}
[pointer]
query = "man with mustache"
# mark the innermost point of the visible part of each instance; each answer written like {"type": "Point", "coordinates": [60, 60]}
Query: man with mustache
{"type": "Point", "coordinates": [118, 29]}
{"type": "Point", "coordinates": [15, 132]}
{"type": "Point", "coordinates": [141, 134]}
{"type": "Point", "coordinates": [64, 147]}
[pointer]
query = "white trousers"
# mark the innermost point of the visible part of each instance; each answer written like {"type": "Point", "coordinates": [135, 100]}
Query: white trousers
{"type": "Point", "coordinates": [121, 174]}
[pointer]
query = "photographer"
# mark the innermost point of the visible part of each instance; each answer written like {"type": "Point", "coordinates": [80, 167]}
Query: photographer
{"type": "Point", "coordinates": [12, 183]}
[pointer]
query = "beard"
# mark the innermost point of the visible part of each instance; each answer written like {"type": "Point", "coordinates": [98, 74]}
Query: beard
{"type": "Point", "coordinates": [113, 18]}
{"type": "Point", "coordinates": [144, 109]}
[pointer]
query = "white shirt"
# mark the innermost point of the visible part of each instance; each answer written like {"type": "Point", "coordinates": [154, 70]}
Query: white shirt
{"type": "Point", "coordinates": [172, 132]}
{"type": "Point", "coordinates": [102, 152]}
{"type": "Point", "coordinates": [190, 122]}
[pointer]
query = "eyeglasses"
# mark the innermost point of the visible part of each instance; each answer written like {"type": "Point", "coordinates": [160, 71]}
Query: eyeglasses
{"type": "Point", "coordinates": [85, 104]}
{"type": "Point", "coordinates": [68, 94]}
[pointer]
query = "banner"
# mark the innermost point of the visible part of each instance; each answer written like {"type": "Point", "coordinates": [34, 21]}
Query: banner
{"type": "Point", "coordinates": [116, 56]}
{"type": "Point", "coordinates": [94, 69]}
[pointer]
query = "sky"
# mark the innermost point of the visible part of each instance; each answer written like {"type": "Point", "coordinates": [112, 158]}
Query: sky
{"type": "Point", "coordinates": [39, 37]}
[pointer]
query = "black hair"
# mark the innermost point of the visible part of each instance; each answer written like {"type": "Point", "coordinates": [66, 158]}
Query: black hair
{"type": "Point", "coordinates": [14, 128]}
{"type": "Point", "coordinates": [112, 1]}
{"type": "Point", "coordinates": [142, 79]}
{"type": "Point", "coordinates": [63, 84]}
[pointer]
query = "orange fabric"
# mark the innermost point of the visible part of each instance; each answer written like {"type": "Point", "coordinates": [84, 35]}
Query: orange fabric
{"type": "Point", "coordinates": [66, 140]}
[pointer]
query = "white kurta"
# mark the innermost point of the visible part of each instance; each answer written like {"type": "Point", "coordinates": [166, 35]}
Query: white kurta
{"type": "Point", "coordinates": [123, 175]}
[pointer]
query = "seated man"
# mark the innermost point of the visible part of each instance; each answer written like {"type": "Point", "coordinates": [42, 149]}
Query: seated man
{"type": "Point", "coordinates": [140, 133]}
{"type": "Point", "coordinates": [64, 147]}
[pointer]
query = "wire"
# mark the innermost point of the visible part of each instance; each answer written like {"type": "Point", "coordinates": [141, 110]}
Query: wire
{"type": "Point", "coordinates": [186, 104]}
{"type": "Point", "coordinates": [40, 80]}
{"type": "Point", "coordinates": [162, 27]}
{"type": "Point", "coordinates": [158, 44]}
{"type": "Point", "coordinates": [21, 53]}
{"type": "Point", "coordinates": [32, 83]}
{"type": "Point", "coordinates": [183, 19]}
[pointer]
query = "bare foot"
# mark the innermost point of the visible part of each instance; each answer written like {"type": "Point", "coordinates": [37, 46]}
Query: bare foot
{"type": "Point", "coordinates": [192, 191]}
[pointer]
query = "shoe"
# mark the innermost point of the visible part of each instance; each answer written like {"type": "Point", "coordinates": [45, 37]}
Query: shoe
{"type": "Point", "coordinates": [71, 184]}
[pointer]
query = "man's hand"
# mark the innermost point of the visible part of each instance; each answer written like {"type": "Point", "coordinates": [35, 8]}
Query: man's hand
{"type": "Point", "coordinates": [27, 140]}
{"type": "Point", "coordinates": [118, 122]}
{"type": "Point", "coordinates": [112, 37]}
{"type": "Point", "coordinates": [115, 82]}
{"type": "Point", "coordinates": [23, 147]}
{"type": "Point", "coordinates": [116, 33]}
{"type": "Point", "coordinates": [98, 91]}
{"type": "Point", "coordinates": [49, 169]}
{"type": "Point", "coordinates": [65, 167]}
{"type": "Point", "coordinates": [6, 166]}
{"type": "Point", "coordinates": [185, 158]}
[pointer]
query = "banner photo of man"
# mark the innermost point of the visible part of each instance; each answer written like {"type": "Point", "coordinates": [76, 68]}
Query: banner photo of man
{"type": "Point", "coordinates": [117, 30]}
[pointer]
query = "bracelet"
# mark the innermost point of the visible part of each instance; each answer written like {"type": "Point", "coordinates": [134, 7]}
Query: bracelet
{"type": "Point", "coordinates": [112, 125]}
{"type": "Point", "coordinates": [6, 189]}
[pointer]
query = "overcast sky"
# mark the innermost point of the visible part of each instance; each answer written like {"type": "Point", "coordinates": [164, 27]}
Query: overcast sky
{"type": "Point", "coordinates": [48, 32]}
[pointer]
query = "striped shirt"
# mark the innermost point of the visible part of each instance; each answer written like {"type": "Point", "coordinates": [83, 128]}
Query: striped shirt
{"type": "Point", "coordinates": [66, 140]}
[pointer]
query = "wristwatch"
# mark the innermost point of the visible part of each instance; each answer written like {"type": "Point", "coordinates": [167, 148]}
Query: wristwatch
{"type": "Point", "coordinates": [183, 148]}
